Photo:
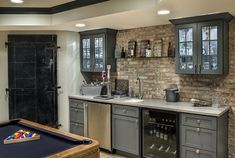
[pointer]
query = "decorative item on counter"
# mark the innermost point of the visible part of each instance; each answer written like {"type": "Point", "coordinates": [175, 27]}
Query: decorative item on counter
{"type": "Point", "coordinates": [132, 48]}
{"type": "Point", "coordinates": [215, 100]}
{"type": "Point", "coordinates": [172, 93]}
{"type": "Point", "coordinates": [148, 51]}
{"type": "Point", "coordinates": [157, 48]}
{"type": "Point", "coordinates": [199, 103]}
{"type": "Point", "coordinates": [121, 87]}
{"type": "Point", "coordinates": [143, 47]}
{"type": "Point", "coordinates": [171, 50]}
{"type": "Point", "coordinates": [123, 53]}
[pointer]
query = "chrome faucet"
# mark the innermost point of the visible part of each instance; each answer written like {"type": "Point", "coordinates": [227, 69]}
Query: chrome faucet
{"type": "Point", "coordinates": [107, 83]}
{"type": "Point", "coordinates": [141, 94]}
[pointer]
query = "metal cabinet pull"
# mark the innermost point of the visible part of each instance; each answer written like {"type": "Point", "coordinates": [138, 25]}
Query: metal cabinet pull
{"type": "Point", "coordinates": [124, 110]}
{"type": "Point", "coordinates": [198, 130]}
{"type": "Point", "coordinates": [195, 68]}
{"type": "Point", "coordinates": [198, 121]}
{"type": "Point", "coordinates": [197, 151]}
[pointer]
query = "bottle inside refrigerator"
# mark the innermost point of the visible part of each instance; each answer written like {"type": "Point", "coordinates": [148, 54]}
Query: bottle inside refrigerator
{"type": "Point", "coordinates": [160, 134]}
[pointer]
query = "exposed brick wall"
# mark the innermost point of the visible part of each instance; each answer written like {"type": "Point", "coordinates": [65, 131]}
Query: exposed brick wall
{"type": "Point", "coordinates": [161, 71]}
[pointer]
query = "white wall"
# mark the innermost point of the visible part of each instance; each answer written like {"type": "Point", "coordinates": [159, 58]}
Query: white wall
{"type": "Point", "coordinates": [3, 77]}
{"type": "Point", "coordinates": [68, 69]}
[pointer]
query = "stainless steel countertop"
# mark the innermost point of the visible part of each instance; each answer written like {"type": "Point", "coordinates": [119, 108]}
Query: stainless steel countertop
{"type": "Point", "coordinates": [184, 107]}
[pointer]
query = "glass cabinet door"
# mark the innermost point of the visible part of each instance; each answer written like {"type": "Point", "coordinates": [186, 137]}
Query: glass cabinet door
{"type": "Point", "coordinates": [99, 52]}
{"type": "Point", "coordinates": [209, 56]}
{"type": "Point", "coordinates": [86, 53]}
{"type": "Point", "coordinates": [185, 49]}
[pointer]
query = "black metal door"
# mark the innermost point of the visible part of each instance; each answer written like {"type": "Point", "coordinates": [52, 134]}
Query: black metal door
{"type": "Point", "coordinates": [32, 85]}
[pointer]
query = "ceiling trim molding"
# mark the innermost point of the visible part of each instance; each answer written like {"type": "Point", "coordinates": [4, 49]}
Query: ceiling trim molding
{"type": "Point", "coordinates": [51, 10]}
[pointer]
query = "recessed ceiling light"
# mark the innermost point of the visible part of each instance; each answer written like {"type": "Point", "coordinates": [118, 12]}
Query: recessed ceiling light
{"type": "Point", "coordinates": [163, 12]}
{"type": "Point", "coordinates": [80, 25]}
{"type": "Point", "coordinates": [17, 1]}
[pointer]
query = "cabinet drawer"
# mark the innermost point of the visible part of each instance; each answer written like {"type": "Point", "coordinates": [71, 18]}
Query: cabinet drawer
{"type": "Point", "coordinates": [187, 152]}
{"type": "Point", "coordinates": [77, 115]}
{"type": "Point", "coordinates": [198, 121]}
{"type": "Point", "coordinates": [76, 103]}
{"type": "Point", "coordinates": [77, 128]}
{"type": "Point", "coordinates": [125, 110]}
{"type": "Point", "coordinates": [198, 138]}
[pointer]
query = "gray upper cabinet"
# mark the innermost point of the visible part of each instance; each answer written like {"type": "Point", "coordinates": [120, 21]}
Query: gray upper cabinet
{"type": "Point", "coordinates": [97, 50]}
{"type": "Point", "coordinates": [202, 44]}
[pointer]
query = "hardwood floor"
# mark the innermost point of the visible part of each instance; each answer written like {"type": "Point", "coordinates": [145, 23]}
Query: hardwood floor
{"type": "Point", "coordinates": [108, 155]}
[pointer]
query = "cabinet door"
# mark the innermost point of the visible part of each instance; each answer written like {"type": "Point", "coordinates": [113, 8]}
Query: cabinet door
{"type": "Point", "coordinates": [86, 53]}
{"type": "Point", "coordinates": [125, 134]}
{"type": "Point", "coordinates": [210, 48]}
{"type": "Point", "coordinates": [186, 49]}
{"type": "Point", "coordinates": [99, 52]}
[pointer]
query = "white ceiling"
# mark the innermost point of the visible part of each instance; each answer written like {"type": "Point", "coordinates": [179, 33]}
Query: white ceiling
{"type": "Point", "coordinates": [33, 3]}
{"type": "Point", "coordinates": [117, 14]}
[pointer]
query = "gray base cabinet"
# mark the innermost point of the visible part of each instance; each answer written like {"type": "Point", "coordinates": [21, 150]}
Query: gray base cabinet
{"type": "Point", "coordinates": [203, 136]}
{"type": "Point", "coordinates": [76, 117]}
{"type": "Point", "coordinates": [125, 129]}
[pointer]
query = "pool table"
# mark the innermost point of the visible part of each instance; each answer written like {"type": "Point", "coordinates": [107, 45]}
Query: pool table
{"type": "Point", "coordinates": [53, 143]}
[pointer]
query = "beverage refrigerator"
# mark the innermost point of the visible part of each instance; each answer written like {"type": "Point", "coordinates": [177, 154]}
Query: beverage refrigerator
{"type": "Point", "coordinates": [160, 134]}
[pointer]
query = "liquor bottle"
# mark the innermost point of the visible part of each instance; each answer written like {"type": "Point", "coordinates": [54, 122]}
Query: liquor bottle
{"type": "Point", "coordinates": [123, 54]}
{"type": "Point", "coordinates": [162, 132]}
{"type": "Point", "coordinates": [165, 137]}
{"type": "Point", "coordinates": [171, 52]}
{"type": "Point", "coordinates": [148, 51]}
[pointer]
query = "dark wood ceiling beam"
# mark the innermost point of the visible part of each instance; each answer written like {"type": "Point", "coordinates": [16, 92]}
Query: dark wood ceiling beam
{"type": "Point", "coordinates": [52, 10]}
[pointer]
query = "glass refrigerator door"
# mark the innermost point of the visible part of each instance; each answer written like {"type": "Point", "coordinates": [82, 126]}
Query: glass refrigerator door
{"type": "Point", "coordinates": [159, 135]}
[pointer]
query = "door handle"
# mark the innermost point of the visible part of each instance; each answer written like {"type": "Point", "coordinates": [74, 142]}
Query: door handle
{"type": "Point", "coordinates": [85, 119]}
{"type": "Point", "coordinates": [137, 123]}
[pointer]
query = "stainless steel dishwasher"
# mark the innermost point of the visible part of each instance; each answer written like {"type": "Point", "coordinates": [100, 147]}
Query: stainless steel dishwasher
{"type": "Point", "coordinates": [97, 123]}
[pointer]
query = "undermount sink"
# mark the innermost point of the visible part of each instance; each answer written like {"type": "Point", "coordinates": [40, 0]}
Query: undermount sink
{"type": "Point", "coordinates": [133, 100]}
{"type": "Point", "coordinates": [103, 97]}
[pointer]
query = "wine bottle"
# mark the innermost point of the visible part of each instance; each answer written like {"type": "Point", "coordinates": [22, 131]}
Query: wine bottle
{"type": "Point", "coordinates": [158, 131]}
{"type": "Point", "coordinates": [165, 133]}
{"type": "Point", "coordinates": [162, 132]}
{"type": "Point", "coordinates": [170, 50]}
{"type": "Point", "coordinates": [123, 54]}
{"type": "Point", "coordinates": [148, 51]}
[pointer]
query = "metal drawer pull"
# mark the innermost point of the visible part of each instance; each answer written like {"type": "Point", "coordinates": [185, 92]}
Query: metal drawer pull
{"type": "Point", "coordinates": [198, 121]}
{"type": "Point", "coordinates": [198, 130]}
{"type": "Point", "coordinates": [136, 121]}
{"type": "Point", "coordinates": [197, 151]}
{"type": "Point", "coordinates": [124, 110]}
{"type": "Point", "coordinates": [75, 124]}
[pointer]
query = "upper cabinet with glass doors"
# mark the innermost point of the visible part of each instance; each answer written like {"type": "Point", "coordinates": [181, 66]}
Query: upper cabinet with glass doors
{"type": "Point", "coordinates": [202, 44]}
{"type": "Point", "coordinates": [97, 50]}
